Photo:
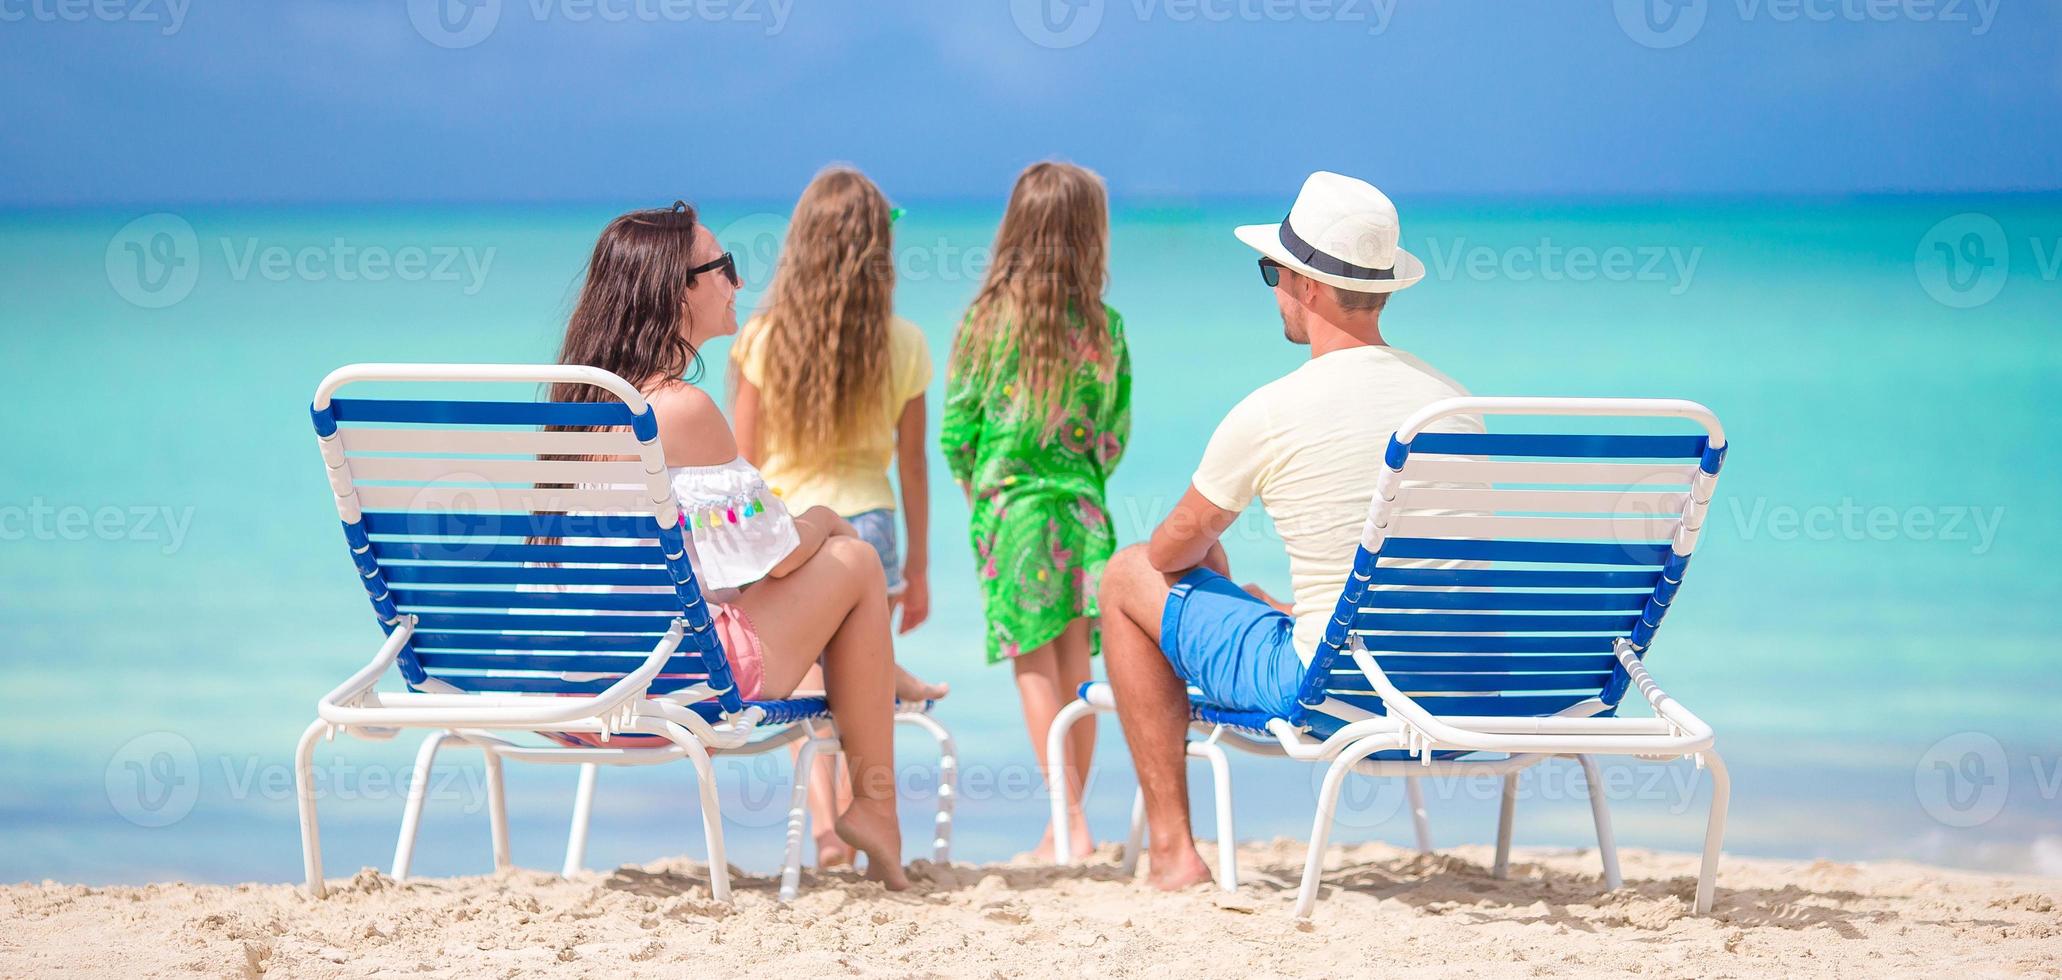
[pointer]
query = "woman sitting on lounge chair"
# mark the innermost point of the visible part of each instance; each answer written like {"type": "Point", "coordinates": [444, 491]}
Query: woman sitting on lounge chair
{"type": "Point", "coordinates": [783, 589]}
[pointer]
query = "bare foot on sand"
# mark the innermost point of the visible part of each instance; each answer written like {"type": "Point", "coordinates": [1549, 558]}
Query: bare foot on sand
{"type": "Point", "coordinates": [1172, 873]}
{"type": "Point", "coordinates": [832, 852]}
{"type": "Point", "coordinates": [1083, 843]}
{"type": "Point", "coordinates": [869, 825]}
{"type": "Point", "coordinates": [909, 689]}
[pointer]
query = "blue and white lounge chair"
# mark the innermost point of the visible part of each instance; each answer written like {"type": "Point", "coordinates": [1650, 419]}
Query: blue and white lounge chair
{"type": "Point", "coordinates": [537, 581]}
{"type": "Point", "coordinates": [1502, 603]}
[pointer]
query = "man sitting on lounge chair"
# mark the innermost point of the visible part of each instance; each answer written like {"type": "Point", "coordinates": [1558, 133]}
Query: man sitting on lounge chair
{"type": "Point", "coordinates": [1308, 444]}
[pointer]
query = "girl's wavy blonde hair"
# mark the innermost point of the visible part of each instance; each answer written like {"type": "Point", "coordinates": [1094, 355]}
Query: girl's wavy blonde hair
{"type": "Point", "coordinates": [1043, 291]}
{"type": "Point", "coordinates": [823, 330]}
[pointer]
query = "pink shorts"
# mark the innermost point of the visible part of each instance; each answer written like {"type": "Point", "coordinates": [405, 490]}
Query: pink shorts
{"type": "Point", "coordinates": [741, 647]}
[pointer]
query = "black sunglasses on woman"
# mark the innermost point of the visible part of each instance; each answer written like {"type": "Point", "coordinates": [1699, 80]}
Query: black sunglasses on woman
{"type": "Point", "coordinates": [725, 262]}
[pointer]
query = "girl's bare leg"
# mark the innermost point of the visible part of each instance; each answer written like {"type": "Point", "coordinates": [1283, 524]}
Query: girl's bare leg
{"type": "Point", "coordinates": [1071, 652]}
{"type": "Point", "coordinates": [1047, 678]}
{"type": "Point", "coordinates": [836, 604]}
{"type": "Point", "coordinates": [828, 794]}
{"type": "Point", "coordinates": [911, 688]}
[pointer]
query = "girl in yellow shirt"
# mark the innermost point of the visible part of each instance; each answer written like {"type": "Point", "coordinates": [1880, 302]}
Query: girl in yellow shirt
{"type": "Point", "coordinates": [829, 393]}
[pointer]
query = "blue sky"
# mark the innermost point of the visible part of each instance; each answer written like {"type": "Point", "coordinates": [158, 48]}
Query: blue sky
{"type": "Point", "coordinates": [199, 101]}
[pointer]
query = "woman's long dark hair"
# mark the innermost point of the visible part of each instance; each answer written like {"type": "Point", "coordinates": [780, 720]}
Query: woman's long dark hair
{"type": "Point", "coordinates": [628, 318]}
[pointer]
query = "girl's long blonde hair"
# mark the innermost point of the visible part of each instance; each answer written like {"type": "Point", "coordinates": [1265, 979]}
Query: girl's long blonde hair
{"type": "Point", "coordinates": [823, 330]}
{"type": "Point", "coordinates": [1043, 291]}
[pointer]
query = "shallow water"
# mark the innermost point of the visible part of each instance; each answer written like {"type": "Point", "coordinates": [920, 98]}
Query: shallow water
{"type": "Point", "coordinates": [1870, 626]}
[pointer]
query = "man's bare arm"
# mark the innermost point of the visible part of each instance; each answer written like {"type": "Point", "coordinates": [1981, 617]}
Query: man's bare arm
{"type": "Point", "coordinates": [1188, 537]}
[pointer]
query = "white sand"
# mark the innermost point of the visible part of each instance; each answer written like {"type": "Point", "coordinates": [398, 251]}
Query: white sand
{"type": "Point", "coordinates": [1384, 912]}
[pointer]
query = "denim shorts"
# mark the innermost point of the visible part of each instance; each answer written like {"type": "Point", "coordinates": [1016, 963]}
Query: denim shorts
{"type": "Point", "coordinates": [877, 528]}
{"type": "Point", "coordinates": [1231, 646]}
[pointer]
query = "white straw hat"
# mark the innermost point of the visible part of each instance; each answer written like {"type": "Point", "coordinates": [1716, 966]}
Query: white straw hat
{"type": "Point", "coordinates": [1341, 232]}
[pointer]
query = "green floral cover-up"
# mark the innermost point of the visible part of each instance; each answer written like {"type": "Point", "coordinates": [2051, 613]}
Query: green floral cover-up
{"type": "Point", "coordinates": [1041, 530]}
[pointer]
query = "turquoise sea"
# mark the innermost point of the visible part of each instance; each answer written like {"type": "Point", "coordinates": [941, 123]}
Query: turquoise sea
{"type": "Point", "coordinates": [1872, 624]}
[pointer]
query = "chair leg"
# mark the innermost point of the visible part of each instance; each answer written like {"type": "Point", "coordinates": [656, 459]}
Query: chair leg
{"type": "Point", "coordinates": [948, 782]}
{"type": "Point", "coordinates": [497, 810]}
{"type": "Point", "coordinates": [712, 819]}
{"type": "Point", "coordinates": [1600, 811]}
{"type": "Point", "coordinates": [583, 810]}
{"type": "Point", "coordinates": [1420, 821]}
{"type": "Point", "coordinates": [1136, 841]}
{"type": "Point", "coordinates": [1714, 830]}
{"type": "Point", "coordinates": [798, 817]}
{"type": "Point", "coordinates": [1327, 806]}
{"type": "Point", "coordinates": [418, 793]}
{"type": "Point", "coordinates": [304, 793]}
{"type": "Point", "coordinates": [1506, 810]}
{"type": "Point", "coordinates": [1227, 833]}
{"type": "Point", "coordinates": [1056, 778]}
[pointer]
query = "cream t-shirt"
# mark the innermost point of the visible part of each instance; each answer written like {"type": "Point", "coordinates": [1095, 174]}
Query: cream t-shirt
{"type": "Point", "coordinates": [856, 480]}
{"type": "Point", "coordinates": [1309, 445]}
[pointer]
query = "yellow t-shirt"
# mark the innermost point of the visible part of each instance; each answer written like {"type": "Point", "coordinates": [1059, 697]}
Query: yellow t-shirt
{"type": "Point", "coordinates": [856, 481]}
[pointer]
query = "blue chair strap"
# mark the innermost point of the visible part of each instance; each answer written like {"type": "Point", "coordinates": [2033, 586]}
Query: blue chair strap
{"type": "Point", "coordinates": [1581, 446]}
{"type": "Point", "coordinates": [478, 412]}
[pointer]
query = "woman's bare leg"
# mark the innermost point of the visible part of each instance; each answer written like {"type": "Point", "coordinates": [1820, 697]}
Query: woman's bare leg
{"type": "Point", "coordinates": [1047, 678]}
{"type": "Point", "coordinates": [836, 605]}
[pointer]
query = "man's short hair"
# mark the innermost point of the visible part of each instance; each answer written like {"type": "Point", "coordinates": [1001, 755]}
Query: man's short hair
{"type": "Point", "coordinates": [1355, 301]}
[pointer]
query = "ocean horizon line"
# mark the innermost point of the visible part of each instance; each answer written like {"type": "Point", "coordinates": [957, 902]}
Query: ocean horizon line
{"type": "Point", "coordinates": [1120, 202]}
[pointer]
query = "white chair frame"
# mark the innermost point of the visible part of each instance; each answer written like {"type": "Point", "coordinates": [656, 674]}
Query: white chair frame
{"type": "Point", "coordinates": [482, 720]}
{"type": "Point", "coordinates": [1674, 732]}
{"type": "Point", "coordinates": [496, 749]}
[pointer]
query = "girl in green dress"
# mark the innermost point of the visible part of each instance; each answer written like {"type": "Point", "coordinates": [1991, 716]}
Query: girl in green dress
{"type": "Point", "coordinates": [1037, 409]}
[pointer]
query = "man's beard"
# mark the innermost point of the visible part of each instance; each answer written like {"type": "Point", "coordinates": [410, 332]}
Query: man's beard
{"type": "Point", "coordinates": [1293, 329]}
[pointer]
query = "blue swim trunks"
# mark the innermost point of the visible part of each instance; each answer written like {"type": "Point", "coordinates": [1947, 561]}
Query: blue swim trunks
{"type": "Point", "coordinates": [1231, 646]}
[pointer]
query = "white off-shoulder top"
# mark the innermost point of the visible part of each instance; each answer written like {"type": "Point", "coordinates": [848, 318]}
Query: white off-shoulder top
{"type": "Point", "coordinates": [739, 529]}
